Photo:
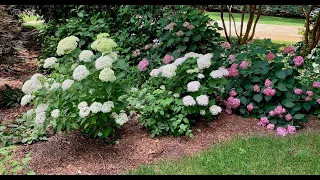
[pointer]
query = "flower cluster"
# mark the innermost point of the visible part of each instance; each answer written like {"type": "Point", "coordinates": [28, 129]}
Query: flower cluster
{"type": "Point", "coordinates": [215, 109]}
{"type": "Point", "coordinates": [279, 110]}
{"type": "Point", "coordinates": [26, 99]}
{"type": "Point", "coordinates": [225, 45]}
{"type": "Point", "coordinates": [202, 100]}
{"type": "Point", "coordinates": [143, 64]}
{"type": "Point", "coordinates": [188, 25]}
{"type": "Point", "coordinates": [66, 84]}
{"type": "Point", "coordinates": [49, 62]}
{"type": "Point", "coordinates": [81, 72]}
{"type": "Point", "coordinates": [316, 84]}
{"type": "Point", "coordinates": [298, 61]}
{"type": "Point", "coordinates": [269, 91]}
{"type": "Point", "coordinates": [107, 75]}
{"type": "Point", "coordinates": [86, 56]}
{"type": "Point", "coordinates": [231, 103]}
{"type": "Point", "coordinates": [284, 131]}
{"type": "Point", "coordinates": [104, 45]}
{"type": "Point", "coordinates": [103, 62]}
{"type": "Point", "coordinates": [204, 61]}
{"type": "Point", "coordinates": [188, 101]}
{"type": "Point", "coordinates": [232, 57]}
{"type": "Point", "coordinates": [136, 53]}
{"type": "Point", "coordinates": [270, 56]}
{"type": "Point", "coordinates": [167, 59]}
{"type": "Point", "coordinates": [233, 71]}
{"type": "Point", "coordinates": [289, 49]}
{"type": "Point", "coordinates": [193, 86]}
{"type": "Point", "coordinates": [120, 118]}
{"type": "Point", "coordinates": [221, 72]}
{"type": "Point", "coordinates": [168, 70]}
{"type": "Point", "coordinates": [67, 45]}
{"type": "Point", "coordinates": [180, 33]}
{"type": "Point", "coordinates": [256, 88]}
{"type": "Point", "coordinates": [55, 113]}
{"type": "Point", "coordinates": [170, 26]}
{"type": "Point", "coordinates": [309, 96]}
{"type": "Point", "coordinates": [41, 113]}
{"type": "Point", "coordinates": [244, 64]}
{"type": "Point", "coordinates": [31, 85]}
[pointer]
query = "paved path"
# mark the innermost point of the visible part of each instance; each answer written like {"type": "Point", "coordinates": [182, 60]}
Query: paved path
{"type": "Point", "coordinates": [275, 32]}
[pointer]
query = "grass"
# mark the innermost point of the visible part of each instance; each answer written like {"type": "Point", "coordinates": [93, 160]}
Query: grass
{"type": "Point", "coordinates": [253, 155]}
{"type": "Point", "coordinates": [32, 21]}
{"type": "Point", "coordinates": [262, 20]}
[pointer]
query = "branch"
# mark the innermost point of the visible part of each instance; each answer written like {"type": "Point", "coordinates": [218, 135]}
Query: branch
{"type": "Point", "coordinates": [234, 23]}
{"type": "Point", "coordinates": [224, 25]}
{"type": "Point", "coordinates": [306, 34]}
{"type": "Point", "coordinates": [228, 7]}
{"type": "Point", "coordinates": [241, 26]}
{"type": "Point", "coordinates": [313, 36]}
{"type": "Point", "coordinates": [255, 23]}
{"type": "Point", "coordinates": [252, 9]}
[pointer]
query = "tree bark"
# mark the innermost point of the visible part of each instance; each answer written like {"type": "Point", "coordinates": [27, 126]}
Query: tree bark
{"type": "Point", "coordinates": [224, 25]}
{"type": "Point", "coordinates": [245, 37]}
{"type": "Point", "coordinates": [241, 25]}
{"type": "Point", "coordinates": [255, 23]}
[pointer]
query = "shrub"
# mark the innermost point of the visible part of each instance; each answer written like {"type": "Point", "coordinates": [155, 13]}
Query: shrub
{"type": "Point", "coordinates": [10, 97]}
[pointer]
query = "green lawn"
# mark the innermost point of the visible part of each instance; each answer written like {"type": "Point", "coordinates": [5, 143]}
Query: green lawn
{"type": "Point", "coordinates": [262, 20]}
{"type": "Point", "coordinates": [261, 155]}
{"type": "Point", "coordinates": [31, 21]}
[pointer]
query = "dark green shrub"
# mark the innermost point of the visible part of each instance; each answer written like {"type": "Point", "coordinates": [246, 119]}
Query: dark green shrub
{"type": "Point", "coordinates": [10, 97]}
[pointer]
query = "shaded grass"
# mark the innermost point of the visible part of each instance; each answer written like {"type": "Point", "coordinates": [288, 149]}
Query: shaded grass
{"type": "Point", "coordinates": [262, 20]}
{"type": "Point", "coordinates": [32, 21]}
{"type": "Point", "coordinates": [261, 155]}
{"type": "Point", "coordinates": [27, 18]}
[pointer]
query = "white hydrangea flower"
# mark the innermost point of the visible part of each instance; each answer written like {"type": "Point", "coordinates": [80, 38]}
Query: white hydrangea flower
{"type": "Point", "coordinates": [82, 104]}
{"type": "Point", "coordinates": [66, 84]}
{"type": "Point", "coordinates": [169, 70]}
{"type": "Point", "coordinates": [107, 75]}
{"type": "Point", "coordinates": [84, 112]}
{"type": "Point", "coordinates": [107, 106]}
{"type": "Point", "coordinates": [55, 113]}
{"type": "Point", "coordinates": [179, 61]}
{"type": "Point", "coordinates": [46, 85]}
{"type": "Point", "coordinates": [86, 56]}
{"type": "Point", "coordinates": [162, 87]}
{"type": "Point", "coordinates": [74, 66]}
{"type": "Point", "coordinates": [193, 86]}
{"type": "Point", "coordinates": [41, 108]}
{"type": "Point", "coordinates": [120, 118]}
{"type": "Point", "coordinates": [30, 112]}
{"type": "Point", "coordinates": [81, 72]}
{"type": "Point", "coordinates": [155, 72]}
{"type": "Point", "coordinates": [40, 117]}
{"type": "Point", "coordinates": [170, 92]}
{"type": "Point", "coordinates": [215, 109]}
{"type": "Point", "coordinates": [202, 112]}
{"type": "Point", "coordinates": [103, 62]}
{"type": "Point", "coordinates": [221, 72]}
{"type": "Point", "coordinates": [114, 56]}
{"type": "Point", "coordinates": [204, 61]}
{"type": "Point", "coordinates": [95, 107]}
{"type": "Point", "coordinates": [176, 95]}
{"type": "Point", "coordinates": [201, 76]}
{"type": "Point", "coordinates": [67, 45]}
{"type": "Point", "coordinates": [31, 86]}
{"type": "Point", "coordinates": [188, 101]}
{"type": "Point", "coordinates": [55, 86]}
{"type": "Point", "coordinates": [134, 89]}
{"type": "Point", "coordinates": [26, 99]}
{"type": "Point", "coordinates": [49, 62]}
{"type": "Point", "coordinates": [192, 55]}
{"type": "Point", "coordinates": [195, 70]}
{"type": "Point", "coordinates": [202, 100]}
{"type": "Point", "coordinates": [36, 76]}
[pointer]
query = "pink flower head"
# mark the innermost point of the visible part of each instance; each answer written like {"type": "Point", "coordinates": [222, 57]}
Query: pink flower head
{"type": "Point", "coordinates": [298, 91]}
{"type": "Point", "coordinates": [269, 91]}
{"type": "Point", "coordinates": [225, 45]}
{"type": "Point", "coordinates": [272, 113]}
{"type": "Point", "coordinates": [318, 100]}
{"type": "Point", "coordinates": [146, 47]}
{"type": "Point", "coordinates": [270, 56]}
{"type": "Point", "coordinates": [233, 71]}
{"type": "Point", "coordinates": [281, 131]}
{"type": "Point", "coordinates": [232, 103]}
{"type": "Point", "coordinates": [228, 111]}
{"type": "Point", "coordinates": [250, 107]}
{"type": "Point", "coordinates": [263, 121]}
{"type": "Point", "coordinates": [191, 27]}
{"type": "Point", "coordinates": [288, 117]}
{"type": "Point", "coordinates": [143, 64]}
{"type": "Point", "coordinates": [316, 84]}
{"type": "Point", "coordinates": [244, 65]}
{"type": "Point", "coordinates": [309, 93]}
{"type": "Point", "coordinates": [270, 126]}
{"type": "Point", "coordinates": [289, 49]}
{"type": "Point", "coordinates": [256, 88]}
{"type": "Point", "coordinates": [308, 98]}
{"type": "Point", "coordinates": [232, 93]}
{"type": "Point", "coordinates": [136, 52]}
{"type": "Point", "coordinates": [167, 59]}
{"type": "Point", "coordinates": [232, 57]}
{"type": "Point", "coordinates": [278, 110]}
{"type": "Point", "coordinates": [267, 82]}
{"type": "Point", "coordinates": [180, 33]}
{"type": "Point", "coordinates": [186, 24]}
{"type": "Point", "coordinates": [298, 61]}
{"type": "Point", "coordinates": [291, 129]}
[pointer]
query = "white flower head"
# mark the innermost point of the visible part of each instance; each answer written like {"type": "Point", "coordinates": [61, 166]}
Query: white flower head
{"type": "Point", "coordinates": [84, 112]}
{"type": "Point", "coordinates": [74, 66]}
{"type": "Point", "coordinates": [82, 104]}
{"type": "Point", "coordinates": [55, 86]}
{"type": "Point", "coordinates": [107, 75]}
{"type": "Point", "coordinates": [30, 112]}
{"type": "Point", "coordinates": [163, 87]}
{"type": "Point", "coordinates": [40, 117]}
{"type": "Point", "coordinates": [66, 84]}
{"type": "Point", "coordinates": [221, 72]}
{"type": "Point", "coordinates": [204, 61]}
{"type": "Point", "coordinates": [81, 72]}
{"type": "Point", "coordinates": [36, 76]}
{"type": "Point", "coordinates": [67, 45]}
{"type": "Point", "coordinates": [120, 118]}
{"type": "Point", "coordinates": [169, 92]}
{"type": "Point", "coordinates": [179, 61]}
{"type": "Point", "coordinates": [49, 62]}
{"type": "Point", "coordinates": [169, 70]}
{"type": "Point", "coordinates": [103, 62]}
{"type": "Point", "coordinates": [201, 76]}
{"type": "Point", "coordinates": [86, 56]}
{"type": "Point", "coordinates": [215, 109]}
{"type": "Point", "coordinates": [193, 86]}
{"type": "Point", "coordinates": [202, 100]}
{"type": "Point", "coordinates": [26, 99]}
{"type": "Point", "coordinates": [176, 95]}
{"type": "Point", "coordinates": [31, 86]}
{"type": "Point", "coordinates": [155, 72]}
{"type": "Point", "coordinates": [107, 106]}
{"type": "Point", "coordinates": [55, 113]}
{"type": "Point", "coordinates": [41, 108]}
{"type": "Point", "coordinates": [192, 55]}
{"type": "Point", "coordinates": [114, 56]}
{"type": "Point", "coordinates": [188, 101]}
{"type": "Point", "coordinates": [95, 107]}
{"type": "Point", "coordinates": [202, 112]}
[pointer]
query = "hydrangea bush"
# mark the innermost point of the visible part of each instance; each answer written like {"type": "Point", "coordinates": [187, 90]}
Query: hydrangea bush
{"type": "Point", "coordinates": [82, 93]}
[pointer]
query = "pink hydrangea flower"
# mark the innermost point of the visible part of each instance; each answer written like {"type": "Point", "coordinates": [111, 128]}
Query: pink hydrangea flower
{"type": "Point", "coordinates": [186, 24]}
{"type": "Point", "coordinates": [146, 47]}
{"type": "Point", "coordinates": [225, 45]}
{"type": "Point", "coordinates": [180, 33]}
{"type": "Point", "coordinates": [316, 84]}
{"type": "Point", "coordinates": [318, 100]}
{"type": "Point", "coordinates": [298, 91]}
{"type": "Point", "coordinates": [272, 113]}
{"type": "Point", "coordinates": [250, 107]}
{"type": "Point", "coordinates": [167, 59]}
{"type": "Point", "coordinates": [288, 117]}
{"type": "Point", "coordinates": [233, 71]}
{"type": "Point", "coordinates": [269, 91]}
{"type": "Point", "coordinates": [309, 93]}
{"type": "Point", "coordinates": [281, 131]}
{"type": "Point", "coordinates": [228, 111]}
{"type": "Point", "coordinates": [298, 61]}
{"type": "Point", "coordinates": [278, 110]}
{"type": "Point", "coordinates": [289, 49]}
{"type": "Point", "coordinates": [291, 129]}
{"type": "Point", "coordinates": [270, 126]}
{"type": "Point", "coordinates": [143, 64]}
{"type": "Point", "coordinates": [191, 27]}
{"type": "Point", "coordinates": [136, 52]}
{"type": "Point", "coordinates": [232, 57]}
{"type": "Point", "coordinates": [256, 88]}
{"type": "Point", "coordinates": [270, 56]}
{"type": "Point", "coordinates": [263, 121]}
{"type": "Point", "coordinates": [244, 65]}
{"type": "Point", "coordinates": [267, 82]}
{"type": "Point", "coordinates": [232, 103]}
{"type": "Point", "coordinates": [308, 98]}
{"type": "Point", "coordinates": [232, 93]}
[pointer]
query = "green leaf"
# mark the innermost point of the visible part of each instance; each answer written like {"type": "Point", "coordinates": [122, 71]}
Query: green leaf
{"type": "Point", "coordinates": [31, 172]}
{"type": "Point", "coordinates": [185, 39]}
{"type": "Point", "coordinates": [170, 42]}
{"type": "Point", "coordinates": [242, 110]}
{"type": "Point", "coordinates": [106, 131]}
{"type": "Point", "coordinates": [239, 90]}
{"type": "Point", "coordinates": [248, 86]}
{"type": "Point", "coordinates": [306, 106]}
{"type": "Point", "coordinates": [280, 74]}
{"type": "Point", "coordinates": [255, 79]}
{"type": "Point", "coordinates": [257, 97]}
{"type": "Point", "coordinates": [267, 98]}
{"type": "Point", "coordinates": [298, 116]}
{"type": "Point", "coordinates": [197, 37]}
{"type": "Point", "coordinates": [75, 125]}
{"type": "Point", "coordinates": [282, 87]}
{"type": "Point", "coordinates": [188, 33]}
{"type": "Point", "coordinates": [59, 127]}
{"type": "Point", "coordinates": [243, 100]}
{"type": "Point", "coordinates": [289, 104]}
{"type": "Point", "coordinates": [193, 47]}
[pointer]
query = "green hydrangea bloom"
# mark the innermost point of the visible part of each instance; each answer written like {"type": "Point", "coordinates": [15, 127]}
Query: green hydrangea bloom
{"type": "Point", "coordinates": [67, 45]}
{"type": "Point", "coordinates": [104, 45]}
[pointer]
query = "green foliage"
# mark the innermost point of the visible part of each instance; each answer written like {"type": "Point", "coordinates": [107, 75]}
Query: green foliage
{"type": "Point", "coordinates": [9, 166]}
{"type": "Point", "coordinates": [10, 97]}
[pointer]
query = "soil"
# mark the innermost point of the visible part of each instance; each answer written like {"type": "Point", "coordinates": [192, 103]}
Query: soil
{"type": "Point", "coordinates": [75, 153]}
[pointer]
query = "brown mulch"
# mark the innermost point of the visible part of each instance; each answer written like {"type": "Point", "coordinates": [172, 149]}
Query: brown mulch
{"type": "Point", "coordinates": [75, 153]}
